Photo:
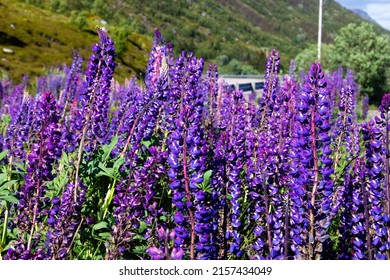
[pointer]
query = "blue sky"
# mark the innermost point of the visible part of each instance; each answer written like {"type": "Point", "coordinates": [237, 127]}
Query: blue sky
{"type": "Point", "coordinates": [379, 10]}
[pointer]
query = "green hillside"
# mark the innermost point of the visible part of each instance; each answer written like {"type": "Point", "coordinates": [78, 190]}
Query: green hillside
{"type": "Point", "coordinates": [237, 34]}
{"type": "Point", "coordinates": [40, 39]}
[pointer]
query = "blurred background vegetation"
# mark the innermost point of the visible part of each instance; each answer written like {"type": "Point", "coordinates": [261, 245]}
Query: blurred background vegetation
{"type": "Point", "coordinates": [235, 34]}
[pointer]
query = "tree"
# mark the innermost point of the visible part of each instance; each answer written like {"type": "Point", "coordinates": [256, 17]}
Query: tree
{"type": "Point", "coordinates": [306, 58]}
{"type": "Point", "coordinates": [361, 48]}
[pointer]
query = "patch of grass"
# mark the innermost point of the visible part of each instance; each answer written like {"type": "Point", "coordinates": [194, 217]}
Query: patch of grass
{"type": "Point", "coordinates": [41, 39]}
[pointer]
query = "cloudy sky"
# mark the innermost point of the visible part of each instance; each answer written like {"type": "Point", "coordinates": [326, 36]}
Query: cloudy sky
{"type": "Point", "coordinates": [379, 10]}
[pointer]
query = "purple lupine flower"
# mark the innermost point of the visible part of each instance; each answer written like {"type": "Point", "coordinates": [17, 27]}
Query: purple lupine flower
{"type": "Point", "coordinates": [325, 184]}
{"type": "Point", "coordinates": [277, 163]}
{"type": "Point", "coordinates": [55, 82]}
{"type": "Point", "coordinates": [372, 135]}
{"type": "Point", "coordinates": [163, 250]}
{"type": "Point", "coordinates": [64, 220]}
{"type": "Point", "coordinates": [126, 117]}
{"type": "Point", "coordinates": [300, 170]}
{"type": "Point", "coordinates": [292, 70]}
{"type": "Point", "coordinates": [229, 160]}
{"type": "Point", "coordinates": [150, 108]}
{"type": "Point", "coordinates": [14, 100]}
{"type": "Point", "coordinates": [359, 225]}
{"type": "Point", "coordinates": [311, 165]}
{"type": "Point", "coordinates": [384, 121]}
{"type": "Point", "coordinates": [158, 61]}
{"type": "Point", "coordinates": [101, 104]}
{"type": "Point", "coordinates": [129, 101]}
{"type": "Point", "coordinates": [211, 88]}
{"type": "Point", "coordinates": [345, 133]}
{"type": "Point", "coordinates": [95, 95]}
{"type": "Point", "coordinates": [40, 162]}
{"type": "Point", "coordinates": [323, 123]}
{"type": "Point", "coordinates": [235, 165]}
{"type": "Point", "coordinates": [187, 151]}
{"type": "Point", "coordinates": [335, 83]}
{"type": "Point", "coordinates": [365, 106]}
{"type": "Point", "coordinates": [73, 78]}
{"type": "Point", "coordinates": [270, 87]}
{"type": "Point", "coordinates": [273, 179]}
{"type": "Point", "coordinates": [254, 160]}
{"type": "Point", "coordinates": [42, 84]}
{"type": "Point", "coordinates": [219, 180]}
{"type": "Point", "coordinates": [133, 203]}
{"type": "Point", "coordinates": [209, 206]}
{"type": "Point", "coordinates": [18, 132]}
{"type": "Point", "coordinates": [351, 81]}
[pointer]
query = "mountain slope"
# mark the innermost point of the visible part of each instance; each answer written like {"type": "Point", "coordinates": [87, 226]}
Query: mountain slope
{"type": "Point", "coordinates": [364, 15]}
{"type": "Point", "coordinates": [33, 39]}
{"type": "Point", "coordinates": [222, 31]}
{"type": "Point", "coordinates": [241, 29]}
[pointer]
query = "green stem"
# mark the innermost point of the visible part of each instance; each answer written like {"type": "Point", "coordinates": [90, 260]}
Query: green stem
{"type": "Point", "coordinates": [5, 225]}
{"type": "Point", "coordinates": [108, 200]}
{"type": "Point", "coordinates": [74, 236]}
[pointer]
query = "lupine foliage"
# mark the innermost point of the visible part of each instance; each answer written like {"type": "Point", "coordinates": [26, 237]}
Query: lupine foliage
{"type": "Point", "coordinates": [183, 167]}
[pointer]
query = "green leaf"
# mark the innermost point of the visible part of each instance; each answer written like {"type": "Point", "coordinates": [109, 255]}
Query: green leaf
{"type": "Point", "coordinates": [100, 225]}
{"type": "Point", "coordinates": [142, 227]}
{"type": "Point", "coordinates": [107, 149]}
{"type": "Point", "coordinates": [205, 185]}
{"type": "Point", "coordinates": [8, 184]}
{"type": "Point", "coordinates": [3, 154]}
{"type": "Point", "coordinates": [105, 235]}
{"type": "Point", "coordinates": [140, 250]}
{"type": "Point", "coordinates": [22, 167]}
{"type": "Point", "coordinates": [163, 218]}
{"type": "Point", "coordinates": [207, 177]}
{"type": "Point", "coordinates": [64, 159]}
{"type": "Point", "coordinates": [9, 198]}
{"type": "Point", "coordinates": [109, 172]}
{"type": "Point", "coordinates": [118, 163]}
{"type": "Point", "coordinates": [146, 143]}
{"type": "Point", "coordinates": [3, 176]}
{"type": "Point", "coordinates": [138, 237]}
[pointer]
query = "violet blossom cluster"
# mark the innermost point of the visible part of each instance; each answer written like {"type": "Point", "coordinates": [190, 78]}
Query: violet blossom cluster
{"type": "Point", "coordinates": [187, 159]}
{"type": "Point", "coordinates": [133, 199]}
{"type": "Point", "coordinates": [64, 220]}
{"type": "Point", "coordinates": [204, 173]}
{"type": "Point", "coordinates": [96, 88]}
{"type": "Point", "coordinates": [44, 153]}
{"type": "Point", "coordinates": [372, 135]}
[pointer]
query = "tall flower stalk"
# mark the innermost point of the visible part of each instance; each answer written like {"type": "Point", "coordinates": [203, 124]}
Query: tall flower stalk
{"type": "Point", "coordinates": [43, 155]}
{"type": "Point", "coordinates": [94, 105]}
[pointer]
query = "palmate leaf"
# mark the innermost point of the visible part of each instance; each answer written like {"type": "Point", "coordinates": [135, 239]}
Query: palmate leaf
{"type": "Point", "coordinates": [111, 172]}
{"type": "Point", "coordinates": [118, 163]}
{"type": "Point", "coordinates": [8, 184]}
{"type": "Point", "coordinates": [101, 225]}
{"type": "Point", "coordinates": [3, 177]}
{"type": "Point", "coordinates": [106, 171]}
{"type": "Point", "coordinates": [9, 198]}
{"type": "Point", "coordinates": [6, 195]}
{"type": "Point", "coordinates": [3, 154]}
{"type": "Point", "coordinates": [107, 149]}
{"type": "Point", "coordinates": [205, 185]}
{"type": "Point", "coordinates": [21, 168]}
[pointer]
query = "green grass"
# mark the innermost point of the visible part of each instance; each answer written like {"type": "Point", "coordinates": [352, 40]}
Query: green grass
{"type": "Point", "coordinates": [41, 39]}
{"type": "Point", "coordinates": [242, 30]}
